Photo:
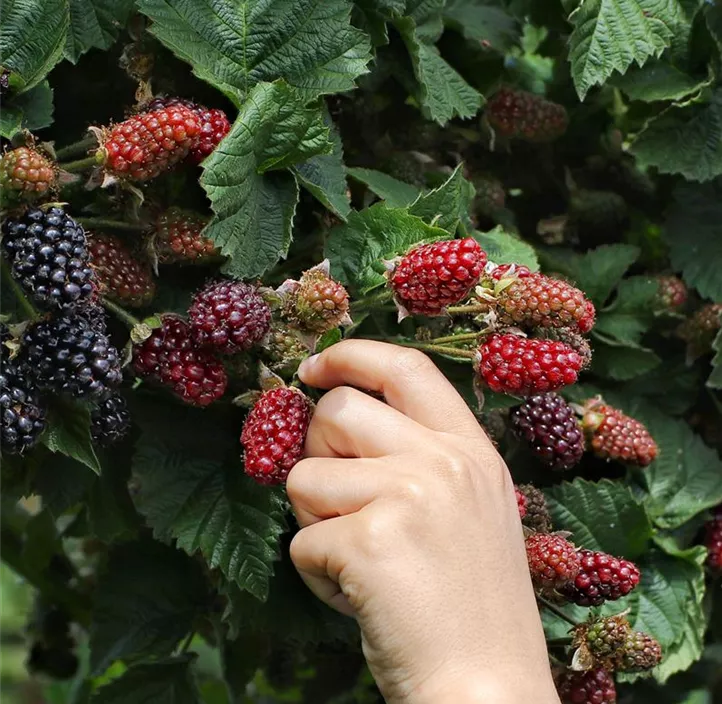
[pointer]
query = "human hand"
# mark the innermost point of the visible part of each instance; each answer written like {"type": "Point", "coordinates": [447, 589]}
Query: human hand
{"type": "Point", "coordinates": [410, 524]}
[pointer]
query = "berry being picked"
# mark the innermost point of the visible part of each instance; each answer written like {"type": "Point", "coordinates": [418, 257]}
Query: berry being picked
{"type": "Point", "coordinates": [229, 316]}
{"type": "Point", "coordinates": [171, 357]}
{"type": "Point", "coordinates": [537, 515]}
{"type": "Point", "coordinates": [537, 300]}
{"type": "Point", "coordinates": [70, 354]}
{"type": "Point", "coordinates": [274, 434]}
{"type": "Point", "coordinates": [601, 578]}
{"type": "Point", "coordinates": [517, 114]}
{"type": "Point", "coordinates": [590, 687]}
{"type": "Point", "coordinates": [433, 276]}
{"type": "Point", "coordinates": [110, 420]}
{"type": "Point", "coordinates": [700, 330]}
{"type": "Point", "coordinates": [25, 175]}
{"type": "Point", "coordinates": [121, 277]}
{"type": "Point", "coordinates": [521, 366]}
{"type": "Point", "coordinates": [613, 435]}
{"type": "Point", "coordinates": [640, 652]}
{"type": "Point", "coordinates": [178, 237]}
{"type": "Point", "coordinates": [521, 502]}
{"type": "Point", "coordinates": [713, 541]}
{"type": "Point", "coordinates": [671, 294]}
{"type": "Point", "coordinates": [23, 414]}
{"type": "Point", "coordinates": [553, 561]}
{"type": "Point", "coordinates": [604, 637]}
{"type": "Point", "coordinates": [145, 145]}
{"type": "Point", "coordinates": [282, 350]}
{"type": "Point", "coordinates": [548, 423]}
{"type": "Point", "coordinates": [49, 256]}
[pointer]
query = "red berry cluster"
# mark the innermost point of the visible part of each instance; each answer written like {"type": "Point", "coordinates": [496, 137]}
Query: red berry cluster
{"type": "Point", "coordinates": [517, 114]}
{"type": "Point", "coordinates": [591, 687]}
{"type": "Point", "coordinates": [601, 578]}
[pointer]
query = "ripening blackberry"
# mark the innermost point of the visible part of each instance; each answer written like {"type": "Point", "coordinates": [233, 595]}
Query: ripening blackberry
{"type": "Point", "coordinates": [48, 254]}
{"type": "Point", "coordinates": [178, 238]}
{"type": "Point", "coordinates": [517, 114]}
{"type": "Point", "coordinates": [25, 175]}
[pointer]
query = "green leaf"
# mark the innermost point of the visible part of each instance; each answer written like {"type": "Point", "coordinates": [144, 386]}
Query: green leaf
{"type": "Point", "coordinates": [504, 248]}
{"type": "Point", "coordinates": [684, 139]}
{"type": "Point", "coordinates": [601, 516]}
{"type": "Point", "coordinates": [145, 603]}
{"type": "Point", "coordinates": [630, 315]}
{"type": "Point", "coordinates": [62, 483]}
{"type": "Point", "coordinates": [357, 249]}
{"type": "Point", "coordinates": [31, 110]}
{"type": "Point", "coordinates": [621, 361]}
{"type": "Point", "coordinates": [715, 378]}
{"type": "Point", "coordinates": [693, 231]}
{"type": "Point", "coordinates": [236, 45]}
{"type": "Point", "coordinates": [609, 35]}
{"type": "Point", "coordinates": [397, 194]}
{"type": "Point", "coordinates": [168, 681]}
{"type": "Point", "coordinates": [32, 37]}
{"type": "Point", "coordinates": [483, 22]}
{"type": "Point", "coordinates": [95, 24]}
{"type": "Point", "coordinates": [443, 93]}
{"type": "Point", "coordinates": [254, 209]}
{"type": "Point", "coordinates": [69, 432]}
{"type": "Point", "coordinates": [658, 80]}
{"type": "Point", "coordinates": [448, 205]}
{"type": "Point", "coordinates": [193, 490]}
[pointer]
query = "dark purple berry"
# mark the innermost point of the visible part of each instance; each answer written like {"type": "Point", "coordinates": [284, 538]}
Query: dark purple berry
{"type": "Point", "coordinates": [110, 420]}
{"type": "Point", "coordinates": [23, 415]}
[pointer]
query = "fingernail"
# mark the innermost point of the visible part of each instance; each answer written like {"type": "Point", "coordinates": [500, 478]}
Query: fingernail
{"type": "Point", "coordinates": [306, 367]}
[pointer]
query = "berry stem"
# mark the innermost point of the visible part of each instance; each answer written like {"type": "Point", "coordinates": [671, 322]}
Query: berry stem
{"type": "Point", "coordinates": [22, 299]}
{"type": "Point", "coordinates": [464, 337]}
{"type": "Point", "coordinates": [556, 611]}
{"type": "Point", "coordinates": [111, 224]}
{"type": "Point", "coordinates": [130, 320]}
{"type": "Point", "coordinates": [82, 145]}
{"type": "Point", "coordinates": [467, 310]}
{"type": "Point", "coordinates": [79, 165]}
{"type": "Point", "coordinates": [372, 301]}
{"type": "Point", "coordinates": [436, 349]}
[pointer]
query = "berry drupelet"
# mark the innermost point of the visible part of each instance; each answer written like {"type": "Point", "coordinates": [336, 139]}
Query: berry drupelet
{"type": "Point", "coordinates": [48, 253]}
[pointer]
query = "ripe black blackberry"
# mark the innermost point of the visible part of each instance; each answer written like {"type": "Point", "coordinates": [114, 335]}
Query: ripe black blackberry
{"type": "Point", "coordinates": [49, 257]}
{"type": "Point", "coordinates": [23, 414]}
{"type": "Point", "coordinates": [548, 423]}
{"type": "Point", "coordinates": [110, 420]}
{"type": "Point", "coordinates": [71, 354]}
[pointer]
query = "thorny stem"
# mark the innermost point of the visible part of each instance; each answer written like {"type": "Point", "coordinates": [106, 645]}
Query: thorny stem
{"type": "Point", "coordinates": [130, 320]}
{"type": "Point", "coordinates": [464, 337]}
{"type": "Point", "coordinates": [372, 301]}
{"type": "Point", "coordinates": [467, 310]}
{"type": "Point", "coordinates": [22, 299]}
{"type": "Point", "coordinates": [556, 610]}
{"type": "Point", "coordinates": [435, 349]}
{"type": "Point", "coordinates": [110, 224]}
{"type": "Point", "coordinates": [79, 165]}
{"type": "Point", "coordinates": [78, 147]}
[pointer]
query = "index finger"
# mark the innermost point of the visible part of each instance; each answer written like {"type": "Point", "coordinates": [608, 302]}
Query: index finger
{"type": "Point", "coordinates": [408, 379]}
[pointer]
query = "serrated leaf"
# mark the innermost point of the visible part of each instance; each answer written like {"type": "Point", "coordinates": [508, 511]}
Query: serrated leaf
{"type": "Point", "coordinates": [146, 600]}
{"type": "Point", "coordinates": [254, 209]}
{"type": "Point", "coordinates": [684, 139]}
{"type": "Point", "coordinates": [168, 681]}
{"type": "Point", "coordinates": [95, 24]}
{"type": "Point", "coordinates": [32, 37]}
{"type": "Point", "coordinates": [630, 315]}
{"type": "Point", "coordinates": [693, 231]}
{"type": "Point", "coordinates": [193, 490]}
{"type": "Point", "coordinates": [601, 515]}
{"type": "Point", "coordinates": [236, 45]}
{"type": "Point", "coordinates": [397, 194]}
{"type": "Point", "coordinates": [609, 35]}
{"type": "Point", "coordinates": [69, 433]}
{"type": "Point", "coordinates": [448, 205]}
{"type": "Point", "coordinates": [715, 378]}
{"type": "Point", "coordinates": [483, 22]}
{"type": "Point", "coordinates": [357, 249]}
{"type": "Point", "coordinates": [32, 110]}
{"type": "Point", "coordinates": [503, 248]}
{"type": "Point", "coordinates": [621, 361]}
{"type": "Point", "coordinates": [443, 93]}
{"type": "Point", "coordinates": [658, 80]}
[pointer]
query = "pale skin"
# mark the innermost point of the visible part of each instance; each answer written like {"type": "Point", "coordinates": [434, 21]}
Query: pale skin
{"type": "Point", "coordinates": [410, 525]}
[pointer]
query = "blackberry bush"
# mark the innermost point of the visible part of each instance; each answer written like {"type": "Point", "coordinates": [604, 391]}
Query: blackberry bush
{"type": "Point", "coordinates": [533, 202]}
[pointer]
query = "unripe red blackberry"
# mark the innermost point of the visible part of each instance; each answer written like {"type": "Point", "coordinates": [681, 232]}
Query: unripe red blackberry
{"type": "Point", "coordinates": [121, 277]}
{"type": "Point", "coordinates": [145, 145]}
{"type": "Point", "coordinates": [521, 366]}
{"type": "Point", "coordinates": [178, 238]}
{"type": "Point", "coordinates": [700, 330]}
{"type": "Point", "coordinates": [316, 303]}
{"type": "Point", "coordinates": [517, 114]}
{"type": "Point", "coordinates": [601, 578]}
{"type": "Point", "coordinates": [713, 540]}
{"type": "Point", "coordinates": [591, 687]}
{"type": "Point", "coordinates": [71, 354]}
{"type": "Point", "coordinates": [49, 257]}
{"type": "Point", "coordinates": [25, 175]}
{"type": "Point", "coordinates": [229, 316]}
{"type": "Point", "coordinates": [640, 652]}
{"type": "Point", "coordinates": [537, 515]}
{"type": "Point", "coordinates": [433, 276]}
{"type": "Point", "coordinates": [274, 434]}
{"type": "Point", "coordinates": [23, 413]}
{"type": "Point", "coordinates": [521, 502]}
{"type": "Point", "coordinates": [110, 420]}
{"type": "Point", "coordinates": [671, 294]}
{"type": "Point", "coordinates": [571, 337]}
{"type": "Point", "coordinates": [548, 423]}
{"type": "Point", "coordinates": [613, 435]}
{"type": "Point", "coordinates": [553, 561]}
{"type": "Point", "coordinates": [171, 357]}
{"type": "Point", "coordinates": [283, 351]}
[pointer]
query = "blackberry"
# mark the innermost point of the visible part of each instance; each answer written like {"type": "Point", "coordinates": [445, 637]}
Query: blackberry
{"type": "Point", "coordinates": [601, 578]}
{"type": "Point", "coordinates": [110, 420]}
{"type": "Point", "coordinates": [553, 561]}
{"type": "Point", "coordinates": [283, 351]}
{"type": "Point", "coordinates": [316, 303]}
{"type": "Point", "coordinates": [23, 414]}
{"type": "Point", "coordinates": [26, 174]}
{"type": "Point", "coordinates": [71, 354]}
{"type": "Point", "coordinates": [548, 423]}
{"type": "Point", "coordinates": [640, 652]}
{"type": "Point", "coordinates": [591, 687]}
{"type": "Point", "coordinates": [48, 253]}
{"type": "Point", "coordinates": [537, 515]}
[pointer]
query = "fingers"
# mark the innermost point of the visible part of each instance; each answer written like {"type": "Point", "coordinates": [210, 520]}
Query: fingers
{"type": "Point", "coordinates": [350, 423]}
{"type": "Point", "coordinates": [408, 379]}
